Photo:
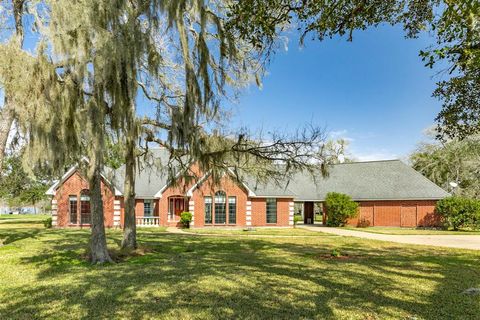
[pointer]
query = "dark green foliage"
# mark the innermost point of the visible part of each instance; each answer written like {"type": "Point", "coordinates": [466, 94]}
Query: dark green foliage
{"type": "Point", "coordinates": [459, 212]}
{"type": "Point", "coordinates": [47, 223]}
{"type": "Point", "coordinates": [340, 208]}
{"type": "Point", "coordinates": [18, 187]}
{"type": "Point", "coordinates": [185, 219]}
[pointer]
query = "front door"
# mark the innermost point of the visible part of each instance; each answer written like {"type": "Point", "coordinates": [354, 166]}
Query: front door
{"type": "Point", "coordinates": [308, 217]}
{"type": "Point", "coordinates": [176, 207]}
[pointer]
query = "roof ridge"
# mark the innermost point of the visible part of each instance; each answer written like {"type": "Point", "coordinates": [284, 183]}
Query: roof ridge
{"type": "Point", "coordinates": [368, 161]}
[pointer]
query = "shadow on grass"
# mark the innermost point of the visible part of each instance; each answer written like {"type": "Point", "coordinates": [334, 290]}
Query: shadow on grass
{"type": "Point", "coordinates": [218, 277]}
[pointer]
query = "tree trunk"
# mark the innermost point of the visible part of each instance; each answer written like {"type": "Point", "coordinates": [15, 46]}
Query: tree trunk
{"type": "Point", "coordinates": [129, 226]}
{"type": "Point", "coordinates": [6, 120]}
{"type": "Point", "coordinates": [98, 240]}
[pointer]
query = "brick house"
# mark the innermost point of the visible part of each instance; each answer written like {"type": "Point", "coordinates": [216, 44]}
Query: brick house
{"type": "Point", "coordinates": [390, 193]}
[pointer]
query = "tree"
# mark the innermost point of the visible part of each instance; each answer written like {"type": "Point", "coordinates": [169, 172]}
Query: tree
{"type": "Point", "coordinates": [454, 24]}
{"type": "Point", "coordinates": [92, 61]}
{"type": "Point", "coordinates": [12, 19]}
{"type": "Point", "coordinates": [453, 161]}
{"type": "Point", "coordinates": [18, 187]}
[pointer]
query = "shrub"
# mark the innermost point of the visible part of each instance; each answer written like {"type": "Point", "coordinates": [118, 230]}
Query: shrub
{"type": "Point", "coordinates": [459, 212]}
{"type": "Point", "coordinates": [47, 222]}
{"type": "Point", "coordinates": [340, 208]}
{"type": "Point", "coordinates": [363, 223]}
{"type": "Point", "coordinates": [185, 219]}
{"type": "Point", "coordinates": [296, 219]}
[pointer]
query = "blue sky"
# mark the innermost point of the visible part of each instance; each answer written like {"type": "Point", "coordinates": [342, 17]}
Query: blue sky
{"type": "Point", "coordinates": [374, 91]}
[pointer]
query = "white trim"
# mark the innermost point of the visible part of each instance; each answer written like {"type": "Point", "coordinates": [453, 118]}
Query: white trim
{"type": "Point", "coordinates": [249, 223]}
{"type": "Point", "coordinates": [53, 188]}
{"type": "Point", "coordinates": [116, 207]}
{"type": "Point", "coordinates": [116, 218]}
{"type": "Point", "coordinates": [250, 191]}
{"type": "Point", "coordinates": [195, 186]}
{"type": "Point", "coordinates": [162, 189]}
{"type": "Point", "coordinates": [279, 197]}
{"type": "Point", "coordinates": [248, 218]}
{"type": "Point", "coordinates": [359, 200]}
{"type": "Point", "coordinates": [116, 202]}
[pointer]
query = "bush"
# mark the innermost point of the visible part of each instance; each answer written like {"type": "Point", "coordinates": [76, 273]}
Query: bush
{"type": "Point", "coordinates": [296, 219]}
{"type": "Point", "coordinates": [185, 219]}
{"type": "Point", "coordinates": [459, 212]}
{"type": "Point", "coordinates": [47, 222]}
{"type": "Point", "coordinates": [340, 208]}
{"type": "Point", "coordinates": [363, 223]}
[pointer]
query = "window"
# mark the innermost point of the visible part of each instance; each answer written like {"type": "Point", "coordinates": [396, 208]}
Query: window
{"type": "Point", "coordinates": [220, 207]}
{"type": "Point", "coordinates": [208, 210]}
{"type": "Point", "coordinates": [147, 208]}
{"type": "Point", "coordinates": [232, 210]}
{"type": "Point", "coordinates": [85, 214]}
{"type": "Point", "coordinates": [271, 210]}
{"type": "Point", "coordinates": [73, 208]}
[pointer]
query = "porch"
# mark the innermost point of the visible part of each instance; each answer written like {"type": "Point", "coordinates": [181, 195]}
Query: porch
{"type": "Point", "coordinates": [152, 212]}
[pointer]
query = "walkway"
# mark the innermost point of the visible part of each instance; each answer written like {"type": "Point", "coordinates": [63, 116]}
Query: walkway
{"type": "Point", "coordinates": [452, 241]}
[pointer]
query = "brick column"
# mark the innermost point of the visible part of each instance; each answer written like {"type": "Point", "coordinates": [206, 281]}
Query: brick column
{"type": "Point", "coordinates": [54, 213]}
{"type": "Point", "coordinates": [191, 209]}
{"type": "Point", "coordinates": [116, 213]}
{"type": "Point", "coordinates": [290, 213]}
{"type": "Point", "coordinates": [248, 213]}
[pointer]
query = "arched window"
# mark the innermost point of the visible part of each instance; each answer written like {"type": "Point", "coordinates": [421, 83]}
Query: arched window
{"type": "Point", "coordinates": [85, 213]}
{"type": "Point", "coordinates": [220, 207]}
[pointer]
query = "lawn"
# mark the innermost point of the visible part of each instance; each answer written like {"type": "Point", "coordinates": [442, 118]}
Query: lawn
{"type": "Point", "coordinates": [35, 217]}
{"type": "Point", "coordinates": [175, 276]}
{"type": "Point", "coordinates": [412, 231]}
{"type": "Point", "coordinates": [284, 232]}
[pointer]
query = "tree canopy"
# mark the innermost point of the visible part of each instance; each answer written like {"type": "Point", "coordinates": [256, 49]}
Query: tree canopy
{"type": "Point", "coordinates": [454, 161]}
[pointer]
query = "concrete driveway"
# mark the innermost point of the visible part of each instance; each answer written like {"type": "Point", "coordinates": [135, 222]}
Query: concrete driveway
{"type": "Point", "coordinates": [452, 241]}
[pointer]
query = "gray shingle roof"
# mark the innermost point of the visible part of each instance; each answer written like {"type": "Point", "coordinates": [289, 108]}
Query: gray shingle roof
{"type": "Point", "coordinates": [150, 177]}
{"type": "Point", "coordinates": [375, 180]}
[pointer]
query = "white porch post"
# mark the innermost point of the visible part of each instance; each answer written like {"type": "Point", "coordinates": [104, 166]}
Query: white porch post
{"type": "Point", "coordinates": [191, 209]}
{"type": "Point", "coordinates": [54, 212]}
{"type": "Point", "coordinates": [116, 213]}
{"type": "Point", "coordinates": [248, 214]}
{"type": "Point", "coordinates": [291, 212]}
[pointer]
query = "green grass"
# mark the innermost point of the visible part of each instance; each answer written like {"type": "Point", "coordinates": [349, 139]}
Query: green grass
{"type": "Point", "coordinates": [43, 275]}
{"type": "Point", "coordinates": [256, 232]}
{"type": "Point", "coordinates": [412, 231]}
{"type": "Point", "coordinates": [19, 217]}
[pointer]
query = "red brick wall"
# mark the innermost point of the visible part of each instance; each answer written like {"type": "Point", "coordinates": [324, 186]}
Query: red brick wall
{"type": "Point", "coordinates": [398, 213]}
{"type": "Point", "coordinates": [73, 187]}
{"type": "Point", "coordinates": [259, 212]}
{"type": "Point", "coordinates": [231, 189]}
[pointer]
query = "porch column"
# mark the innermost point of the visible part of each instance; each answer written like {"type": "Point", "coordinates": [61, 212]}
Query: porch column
{"type": "Point", "coordinates": [116, 213]}
{"type": "Point", "coordinates": [191, 209]}
{"type": "Point", "coordinates": [248, 213]}
{"type": "Point", "coordinates": [291, 212]}
{"type": "Point", "coordinates": [54, 212]}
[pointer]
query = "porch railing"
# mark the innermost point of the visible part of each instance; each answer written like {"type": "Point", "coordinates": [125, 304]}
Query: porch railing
{"type": "Point", "coordinates": [148, 221]}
